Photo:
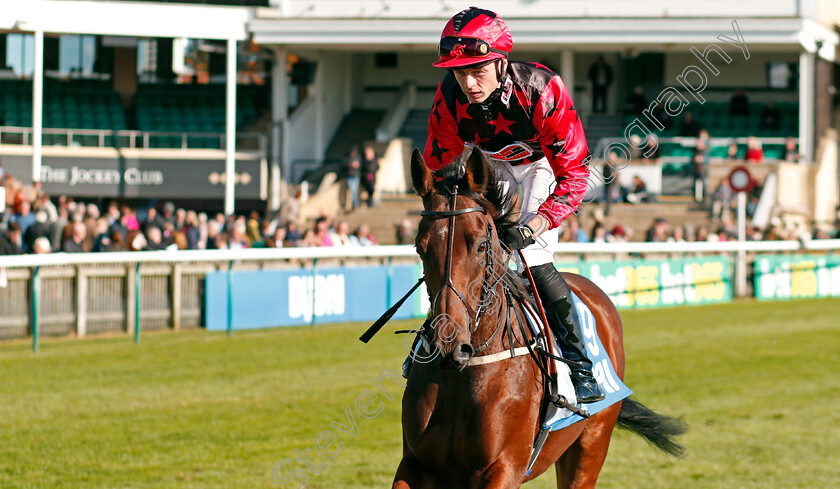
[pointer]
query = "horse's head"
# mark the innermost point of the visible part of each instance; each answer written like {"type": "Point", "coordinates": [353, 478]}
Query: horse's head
{"type": "Point", "coordinates": [458, 243]}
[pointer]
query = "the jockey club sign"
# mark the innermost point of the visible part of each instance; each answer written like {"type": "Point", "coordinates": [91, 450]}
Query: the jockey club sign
{"type": "Point", "coordinates": [141, 177]}
{"type": "Point", "coordinates": [100, 176]}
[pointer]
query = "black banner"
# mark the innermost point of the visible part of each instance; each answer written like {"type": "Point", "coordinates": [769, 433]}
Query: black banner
{"type": "Point", "coordinates": [145, 177]}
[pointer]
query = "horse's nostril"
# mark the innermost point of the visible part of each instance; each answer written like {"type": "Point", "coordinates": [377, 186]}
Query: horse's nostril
{"type": "Point", "coordinates": [463, 354]}
{"type": "Point", "coordinates": [457, 358]}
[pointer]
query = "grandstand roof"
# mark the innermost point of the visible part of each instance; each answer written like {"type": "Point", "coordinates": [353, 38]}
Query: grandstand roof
{"type": "Point", "coordinates": [547, 24]}
{"type": "Point", "coordinates": [141, 19]}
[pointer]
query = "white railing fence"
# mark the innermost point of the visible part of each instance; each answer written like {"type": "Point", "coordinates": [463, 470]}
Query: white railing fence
{"type": "Point", "coordinates": [128, 291]}
{"type": "Point", "coordinates": [132, 139]}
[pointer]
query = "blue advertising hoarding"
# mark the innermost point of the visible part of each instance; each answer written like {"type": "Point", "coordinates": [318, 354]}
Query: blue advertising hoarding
{"type": "Point", "coordinates": [269, 298]}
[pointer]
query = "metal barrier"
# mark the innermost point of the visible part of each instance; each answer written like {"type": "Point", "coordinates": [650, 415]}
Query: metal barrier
{"type": "Point", "coordinates": [128, 292]}
{"type": "Point", "coordinates": [104, 138]}
{"type": "Point", "coordinates": [690, 142]}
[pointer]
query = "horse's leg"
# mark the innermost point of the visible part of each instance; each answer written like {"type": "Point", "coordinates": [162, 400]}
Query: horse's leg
{"type": "Point", "coordinates": [410, 475]}
{"type": "Point", "coordinates": [580, 465]}
{"type": "Point", "coordinates": [500, 475]}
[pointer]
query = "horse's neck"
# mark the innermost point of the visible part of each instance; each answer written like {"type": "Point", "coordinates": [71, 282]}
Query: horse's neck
{"type": "Point", "coordinates": [496, 328]}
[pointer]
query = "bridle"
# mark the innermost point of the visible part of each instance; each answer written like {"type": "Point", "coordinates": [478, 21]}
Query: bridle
{"type": "Point", "coordinates": [449, 178]}
{"type": "Point", "coordinates": [489, 262]}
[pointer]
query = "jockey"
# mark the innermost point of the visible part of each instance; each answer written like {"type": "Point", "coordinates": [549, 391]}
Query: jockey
{"type": "Point", "coordinates": [521, 114]}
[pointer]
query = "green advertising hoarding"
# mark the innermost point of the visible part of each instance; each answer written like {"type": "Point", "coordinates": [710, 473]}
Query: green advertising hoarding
{"type": "Point", "coordinates": [657, 283]}
{"type": "Point", "coordinates": [796, 276]}
{"type": "Point", "coordinates": [643, 283]}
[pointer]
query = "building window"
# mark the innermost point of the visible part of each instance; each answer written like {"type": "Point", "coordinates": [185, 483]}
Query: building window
{"type": "Point", "coordinates": [76, 54]}
{"type": "Point", "coordinates": [20, 53]}
{"type": "Point", "coordinates": [782, 75]}
{"type": "Point", "coordinates": [147, 57]}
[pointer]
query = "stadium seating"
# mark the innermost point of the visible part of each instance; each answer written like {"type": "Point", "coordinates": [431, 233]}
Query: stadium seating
{"type": "Point", "coordinates": [75, 104]}
{"type": "Point", "coordinates": [715, 118]}
{"type": "Point", "coordinates": [194, 109]}
{"type": "Point", "coordinates": [93, 104]}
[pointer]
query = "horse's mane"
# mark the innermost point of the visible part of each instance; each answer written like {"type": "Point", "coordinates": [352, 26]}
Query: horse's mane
{"type": "Point", "coordinates": [497, 198]}
{"type": "Point", "coordinates": [493, 197]}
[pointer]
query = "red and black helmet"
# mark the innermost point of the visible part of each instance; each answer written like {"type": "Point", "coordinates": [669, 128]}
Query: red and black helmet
{"type": "Point", "coordinates": [471, 37]}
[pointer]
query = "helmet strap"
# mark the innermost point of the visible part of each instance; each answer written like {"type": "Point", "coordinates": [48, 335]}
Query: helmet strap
{"type": "Point", "coordinates": [500, 77]}
{"type": "Point", "coordinates": [500, 71]}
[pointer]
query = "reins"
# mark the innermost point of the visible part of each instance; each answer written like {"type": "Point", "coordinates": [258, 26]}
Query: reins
{"type": "Point", "coordinates": [531, 348]}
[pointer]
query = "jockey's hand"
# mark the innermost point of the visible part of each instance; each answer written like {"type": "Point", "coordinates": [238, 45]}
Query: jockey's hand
{"type": "Point", "coordinates": [518, 237]}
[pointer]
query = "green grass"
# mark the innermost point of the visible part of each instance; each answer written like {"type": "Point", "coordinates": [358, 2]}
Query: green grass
{"type": "Point", "coordinates": [758, 383]}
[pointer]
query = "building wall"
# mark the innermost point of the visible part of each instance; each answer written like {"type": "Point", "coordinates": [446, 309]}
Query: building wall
{"type": "Point", "coordinates": [314, 123]}
{"type": "Point", "coordinates": [380, 85]}
{"type": "Point", "coordinates": [828, 12]}
{"type": "Point", "coordinates": [749, 74]}
{"type": "Point", "coordinates": [824, 97]}
{"type": "Point", "coordinates": [334, 92]}
{"type": "Point", "coordinates": [301, 138]}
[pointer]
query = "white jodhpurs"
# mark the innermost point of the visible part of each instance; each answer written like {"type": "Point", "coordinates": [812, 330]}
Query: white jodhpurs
{"type": "Point", "coordinates": [537, 181]}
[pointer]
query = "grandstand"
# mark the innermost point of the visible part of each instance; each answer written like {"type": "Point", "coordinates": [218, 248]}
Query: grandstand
{"type": "Point", "coordinates": [94, 104]}
{"type": "Point", "coordinates": [88, 104]}
{"type": "Point", "coordinates": [194, 109]}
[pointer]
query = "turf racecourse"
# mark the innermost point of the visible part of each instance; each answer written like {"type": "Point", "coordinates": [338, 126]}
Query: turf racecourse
{"type": "Point", "coordinates": [758, 383]}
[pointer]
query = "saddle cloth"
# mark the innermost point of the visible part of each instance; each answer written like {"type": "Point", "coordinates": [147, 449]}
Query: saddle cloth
{"type": "Point", "coordinates": [602, 370]}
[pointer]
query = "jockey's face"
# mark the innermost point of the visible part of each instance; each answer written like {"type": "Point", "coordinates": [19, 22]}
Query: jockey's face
{"type": "Point", "coordinates": [477, 82]}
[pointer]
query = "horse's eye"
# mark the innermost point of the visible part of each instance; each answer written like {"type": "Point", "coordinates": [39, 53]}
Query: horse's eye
{"type": "Point", "coordinates": [482, 247]}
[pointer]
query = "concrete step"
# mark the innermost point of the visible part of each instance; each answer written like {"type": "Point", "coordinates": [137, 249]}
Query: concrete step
{"type": "Point", "coordinates": [416, 127]}
{"type": "Point", "coordinates": [600, 126]}
{"type": "Point", "coordinates": [383, 217]}
{"type": "Point", "coordinates": [358, 127]}
{"type": "Point", "coordinates": [678, 210]}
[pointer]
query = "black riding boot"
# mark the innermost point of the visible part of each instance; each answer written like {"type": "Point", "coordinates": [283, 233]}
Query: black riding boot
{"type": "Point", "coordinates": [565, 321]}
{"type": "Point", "coordinates": [409, 360]}
{"type": "Point", "coordinates": [406, 368]}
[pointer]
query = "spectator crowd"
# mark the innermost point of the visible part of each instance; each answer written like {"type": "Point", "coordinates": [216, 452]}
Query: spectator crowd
{"type": "Point", "coordinates": [661, 231]}
{"type": "Point", "coordinates": [32, 222]}
{"type": "Point", "coordinates": [722, 228]}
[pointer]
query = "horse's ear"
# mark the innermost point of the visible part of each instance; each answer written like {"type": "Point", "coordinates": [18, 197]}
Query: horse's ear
{"type": "Point", "coordinates": [421, 177]}
{"type": "Point", "coordinates": [477, 172]}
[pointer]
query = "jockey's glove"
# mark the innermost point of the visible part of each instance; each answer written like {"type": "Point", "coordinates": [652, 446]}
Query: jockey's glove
{"type": "Point", "coordinates": [518, 237]}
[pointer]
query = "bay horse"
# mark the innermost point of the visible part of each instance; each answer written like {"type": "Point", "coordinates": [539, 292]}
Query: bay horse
{"type": "Point", "coordinates": [473, 425]}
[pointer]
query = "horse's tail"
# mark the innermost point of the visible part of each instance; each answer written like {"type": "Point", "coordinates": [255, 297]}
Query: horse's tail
{"type": "Point", "coordinates": [657, 429]}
